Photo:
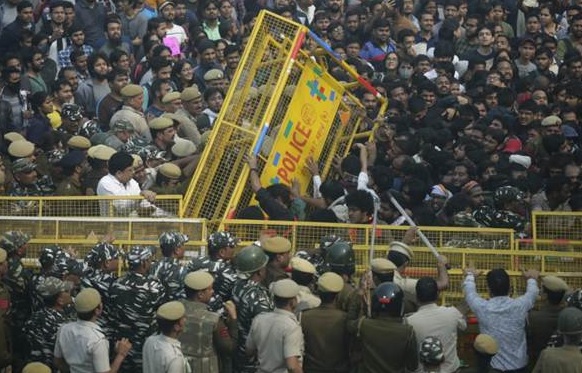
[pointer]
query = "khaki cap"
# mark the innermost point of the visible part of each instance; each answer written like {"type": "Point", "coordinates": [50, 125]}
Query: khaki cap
{"type": "Point", "coordinates": [131, 90]}
{"type": "Point", "coordinates": [554, 283]}
{"type": "Point", "coordinates": [160, 123]}
{"type": "Point", "coordinates": [137, 161]}
{"type": "Point", "coordinates": [87, 300]}
{"type": "Point", "coordinates": [21, 149]}
{"type": "Point", "coordinates": [552, 120]}
{"type": "Point", "coordinates": [171, 311]}
{"type": "Point", "coordinates": [401, 247]}
{"type": "Point", "coordinates": [101, 152]}
{"type": "Point", "coordinates": [276, 245]}
{"type": "Point", "coordinates": [330, 282]}
{"type": "Point", "coordinates": [36, 367]}
{"type": "Point", "coordinates": [13, 136]}
{"type": "Point", "coordinates": [382, 265]}
{"type": "Point", "coordinates": [198, 280]}
{"type": "Point", "coordinates": [190, 93]}
{"type": "Point", "coordinates": [286, 288]}
{"type": "Point", "coordinates": [183, 148]}
{"type": "Point", "coordinates": [213, 74]}
{"type": "Point", "coordinates": [302, 265]}
{"type": "Point", "coordinates": [170, 97]}
{"type": "Point", "coordinates": [3, 255]}
{"type": "Point", "coordinates": [79, 142]}
{"type": "Point", "coordinates": [486, 344]}
{"type": "Point", "coordinates": [170, 171]}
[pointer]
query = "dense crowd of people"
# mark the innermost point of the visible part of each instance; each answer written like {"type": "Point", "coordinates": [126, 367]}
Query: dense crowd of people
{"type": "Point", "coordinates": [269, 307]}
{"type": "Point", "coordinates": [481, 128]}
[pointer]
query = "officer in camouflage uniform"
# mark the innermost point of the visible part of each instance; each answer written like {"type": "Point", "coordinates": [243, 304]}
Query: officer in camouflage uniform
{"type": "Point", "coordinates": [250, 298]}
{"type": "Point", "coordinates": [26, 181]}
{"type": "Point", "coordinates": [431, 354]}
{"type": "Point", "coordinates": [48, 255]}
{"type": "Point", "coordinates": [509, 211]}
{"type": "Point", "coordinates": [317, 256]}
{"type": "Point", "coordinates": [5, 357]}
{"type": "Point", "coordinates": [221, 247]}
{"type": "Point", "coordinates": [168, 270]}
{"type": "Point", "coordinates": [207, 341]}
{"type": "Point", "coordinates": [102, 263]}
{"type": "Point", "coordinates": [18, 282]}
{"type": "Point", "coordinates": [41, 329]}
{"type": "Point", "coordinates": [135, 298]}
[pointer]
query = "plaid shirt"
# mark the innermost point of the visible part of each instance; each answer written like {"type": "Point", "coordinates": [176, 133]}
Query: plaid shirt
{"type": "Point", "coordinates": [64, 55]}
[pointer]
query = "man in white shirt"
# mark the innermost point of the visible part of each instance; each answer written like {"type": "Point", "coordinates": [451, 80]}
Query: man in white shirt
{"type": "Point", "coordinates": [120, 182]}
{"type": "Point", "coordinates": [503, 317]}
{"type": "Point", "coordinates": [81, 347]}
{"type": "Point", "coordinates": [432, 320]}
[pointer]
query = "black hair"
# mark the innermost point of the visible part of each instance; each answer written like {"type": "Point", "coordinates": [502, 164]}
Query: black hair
{"type": "Point", "coordinates": [397, 258]}
{"type": "Point", "coordinates": [158, 62]}
{"type": "Point", "coordinates": [119, 162]}
{"type": "Point", "coordinates": [280, 191]}
{"type": "Point", "coordinates": [427, 290]}
{"type": "Point", "coordinates": [331, 190]}
{"type": "Point", "coordinates": [302, 278]}
{"type": "Point", "coordinates": [281, 302]}
{"type": "Point", "coordinates": [362, 200]}
{"type": "Point", "coordinates": [93, 59]}
{"type": "Point", "coordinates": [498, 282]}
{"type": "Point", "coordinates": [166, 326]}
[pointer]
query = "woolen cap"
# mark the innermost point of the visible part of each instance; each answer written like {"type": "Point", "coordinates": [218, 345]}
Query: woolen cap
{"type": "Point", "coordinates": [213, 74]}
{"type": "Point", "coordinates": [552, 120]}
{"type": "Point", "coordinates": [302, 265]}
{"type": "Point", "coordinates": [87, 300]}
{"type": "Point", "coordinates": [170, 96]}
{"type": "Point", "coordinates": [131, 90]}
{"type": "Point", "coordinates": [276, 245]}
{"type": "Point", "coordinates": [21, 149]}
{"type": "Point", "coordinates": [286, 288]}
{"type": "Point", "coordinates": [402, 248]}
{"type": "Point", "coordinates": [170, 171]}
{"type": "Point", "coordinates": [36, 367]}
{"type": "Point", "coordinates": [554, 283]}
{"type": "Point", "coordinates": [486, 344]}
{"type": "Point", "coordinates": [101, 152]}
{"type": "Point", "coordinates": [183, 147]}
{"type": "Point", "coordinates": [171, 311]}
{"type": "Point", "coordinates": [160, 123]}
{"type": "Point", "coordinates": [198, 280]}
{"type": "Point", "coordinates": [330, 282]}
{"type": "Point", "coordinates": [79, 142]}
{"type": "Point", "coordinates": [165, 4]}
{"type": "Point", "coordinates": [382, 265]}
{"type": "Point", "coordinates": [13, 136]}
{"type": "Point", "coordinates": [190, 93]}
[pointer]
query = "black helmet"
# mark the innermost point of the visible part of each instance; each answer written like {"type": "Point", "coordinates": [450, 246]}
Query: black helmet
{"type": "Point", "coordinates": [388, 297]}
{"type": "Point", "coordinates": [340, 258]}
{"type": "Point", "coordinates": [250, 259]}
{"type": "Point", "coordinates": [328, 240]}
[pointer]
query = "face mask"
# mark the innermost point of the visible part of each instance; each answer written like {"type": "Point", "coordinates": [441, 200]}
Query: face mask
{"type": "Point", "coordinates": [405, 73]}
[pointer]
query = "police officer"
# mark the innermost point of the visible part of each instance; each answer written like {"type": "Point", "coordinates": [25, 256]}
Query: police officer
{"type": "Point", "coordinates": [543, 322]}
{"type": "Point", "coordinates": [276, 337]}
{"type": "Point", "coordinates": [208, 341]}
{"type": "Point", "coordinates": [134, 300]}
{"type": "Point", "coordinates": [18, 282]}
{"type": "Point", "coordinates": [48, 255]}
{"type": "Point", "coordinates": [278, 250]}
{"type": "Point", "coordinates": [168, 269]}
{"type": "Point", "coordinates": [5, 357]}
{"type": "Point", "coordinates": [41, 329]}
{"type": "Point", "coordinates": [303, 273]}
{"type": "Point", "coordinates": [317, 256]}
{"type": "Point", "coordinates": [485, 348]}
{"type": "Point", "coordinates": [382, 270]}
{"type": "Point", "coordinates": [218, 262]}
{"type": "Point", "coordinates": [385, 328]}
{"type": "Point", "coordinates": [431, 354]}
{"type": "Point", "coordinates": [250, 298]}
{"type": "Point", "coordinates": [324, 329]}
{"type": "Point", "coordinates": [566, 358]}
{"type": "Point", "coordinates": [341, 260]}
{"type": "Point", "coordinates": [102, 264]}
{"type": "Point", "coordinates": [163, 352]}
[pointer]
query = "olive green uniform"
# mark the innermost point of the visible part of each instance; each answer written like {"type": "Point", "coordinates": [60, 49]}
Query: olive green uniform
{"type": "Point", "coordinates": [274, 273]}
{"type": "Point", "coordinates": [541, 325]}
{"type": "Point", "coordinates": [207, 343]}
{"type": "Point", "coordinates": [326, 340]}
{"type": "Point", "coordinates": [566, 359]}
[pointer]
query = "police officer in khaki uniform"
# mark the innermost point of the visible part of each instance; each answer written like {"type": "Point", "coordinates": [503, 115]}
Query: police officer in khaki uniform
{"type": "Point", "coordinates": [340, 259]}
{"type": "Point", "coordinates": [4, 305]}
{"type": "Point", "coordinates": [565, 359]}
{"type": "Point", "coordinates": [303, 273]}
{"type": "Point", "coordinates": [324, 330]}
{"type": "Point", "coordinates": [542, 323]}
{"type": "Point", "coordinates": [168, 180]}
{"type": "Point", "coordinates": [208, 341]}
{"type": "Point", "coordinates": [278, 249]}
